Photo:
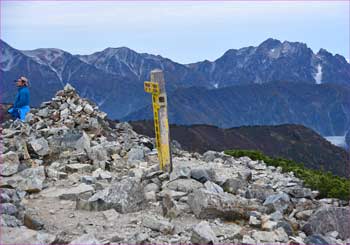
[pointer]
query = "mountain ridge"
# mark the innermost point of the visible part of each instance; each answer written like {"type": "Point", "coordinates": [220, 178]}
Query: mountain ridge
{"type": "Point", "coordinates": [115, 76]}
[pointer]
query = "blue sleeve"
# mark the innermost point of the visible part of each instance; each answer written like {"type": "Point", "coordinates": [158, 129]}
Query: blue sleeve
{"type": "Point", "coordinates": [23, 99]}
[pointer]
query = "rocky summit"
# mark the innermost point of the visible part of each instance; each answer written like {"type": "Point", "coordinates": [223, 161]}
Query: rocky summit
{"type": "Point", "coordinates": [71, 176]}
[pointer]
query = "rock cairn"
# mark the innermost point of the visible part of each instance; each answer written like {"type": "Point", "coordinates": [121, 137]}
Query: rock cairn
{"type": "Point", "coordinates": [71, 176]}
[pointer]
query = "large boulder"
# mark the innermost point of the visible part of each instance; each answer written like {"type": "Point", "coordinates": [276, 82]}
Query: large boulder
{"type": "Point", "coordinates": [10, 163]}
{"type": "Point", "coordinates": [207, 205]}
{"type": "Point", "coordinates": [328, 219]}
{"type": "Point", "coordinates": [232, 185]}
{"type": "Point", "coordinates": [203, 234]}
{"type": "Point", "coordinates": [30, 180]}
{"type": "Point", "coordinates": [277, 202]}
{"type": "Point", "coordinates": [136, 154]}
{"type": "Point", "coordinates": [124, 196]}
{"type": "Point", "coordinates": [184, 185]}
{"type": "Point", "coordinates": [39, 146]}
{"type": "Point", "coordinates": [157, 224]}
{"type": "Point", "coordinates": [23, 235]}
{"type": "Point", "coordinates": [203, 174]}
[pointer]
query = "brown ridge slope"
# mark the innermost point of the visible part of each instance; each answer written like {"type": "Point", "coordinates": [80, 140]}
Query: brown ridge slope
{"type": "Point", "coordinates": [290, 141]}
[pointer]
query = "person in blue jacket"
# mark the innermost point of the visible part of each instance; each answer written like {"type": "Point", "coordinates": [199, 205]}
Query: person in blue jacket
{"type": "Point", "coordinates": [21, 106]}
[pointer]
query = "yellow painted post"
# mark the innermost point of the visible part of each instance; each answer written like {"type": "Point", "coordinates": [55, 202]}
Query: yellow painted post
{"type": "Point", "coordinates": [160, 115]}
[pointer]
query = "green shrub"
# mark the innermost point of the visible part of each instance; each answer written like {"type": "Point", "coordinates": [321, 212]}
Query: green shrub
{"type": "Point", "coordinates": [329, 185]}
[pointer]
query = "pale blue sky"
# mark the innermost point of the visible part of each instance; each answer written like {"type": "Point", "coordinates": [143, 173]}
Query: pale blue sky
{"type": "Point", "coordinates": [182, 31]}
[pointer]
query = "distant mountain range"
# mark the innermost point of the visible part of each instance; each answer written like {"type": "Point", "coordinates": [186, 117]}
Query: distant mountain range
{"type": "Point", "coordinates": [273, 83]}
{"type": "Point", "coordinates": [294, 142]}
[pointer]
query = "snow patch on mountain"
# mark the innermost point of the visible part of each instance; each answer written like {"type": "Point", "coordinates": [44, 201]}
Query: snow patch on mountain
{"type": "Point", "coordinates": [337, 140]}
{"type": "Point", "coordinates": [318, 74]}
{"type": "Point", "coordinates": [52, 57]}
{"type": "Point", "coordinates": [7, 60]}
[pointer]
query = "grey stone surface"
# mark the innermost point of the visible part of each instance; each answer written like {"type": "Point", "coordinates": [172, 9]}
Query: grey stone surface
{"type": "Point", "coordinates": [136, 153]}
{"type": "Point", "coordinates": [40, 146]}
{"type": "Point", "coordinates": [23, 235]}
{"type": "Point", "coordinates": [74, 193]}
{"type": "Point", "coordinates": [184, 185]}
{"type": "Point", "coordinates": [158, 224]}
{"type": "Point", "coordinates": [86, 239]}
{"type": "Point", "coordinates": [203, 234]}
{"type": "Point", "coordinates": [124, 196]}
{"type": "Point", "coordinates": [207, 205]}
{"type": "Point", "coordinates": [10, 164]}
{"type": "Point", "coordinates": [277, 202]}
{"type": "Point", "coordinates": [232, 185]}
{"type": "Point", "coordinates": [328, 219]}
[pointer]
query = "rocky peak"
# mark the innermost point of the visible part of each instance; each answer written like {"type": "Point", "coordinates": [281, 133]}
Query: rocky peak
{"type": "Point", "coordinates": [269, 44]}
{"type": "Point", "coordinates": [69, 175]}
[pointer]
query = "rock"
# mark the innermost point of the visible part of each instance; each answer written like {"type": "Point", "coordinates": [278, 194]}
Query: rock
{"type": "Point", "coordinates": [151, 187]}
{"type": "Point", "coordinates": [32, 223]}
{"type": "Point", "coordinates": [74, 193]}
{"type": "Point", "coordinates": [184, 185]}
{"type": "Point", "coordinates": [232, 185]}
{"type": "Point", "coordinates": [176, 195]}
{"type": "Point", "coordinates": [181, 172]}
{"type": "Point", "coordinates": [98, 155]}
{"type": "Point", "coordinates": [169, 207]}
{"type": "Point", "coordinates": [299, 192]}
{"type": "Point", "coordinates": [111, 215]}
{"type": "Point", "coordinates": [8, 208]}
{"type": "Point", "coordinates": [30, 180]}
{"type": "Point", "coordinates": [246, 175]}
{"type": "Point", "coordinates": [278, 202]}
{"type": "Point", "coordinates": [209, 156]}
{"type": "Point", "coordinates": [267, 225]}
{"type": "Point", "coordinates": [124, 196]}
{"type": "Point", "coordinates": [71, 140]}
{"type": "Point", "coordinates": [254, 221]}
{"type": "Point", "coordinates": [212, 187]}
{"type": "Point", "coordinates": [259, 192]}
{"type": "Point", "coordinates": [68, 88]}
{"type": "Point", "coordinates": [9, 221]}
{"type": "Point", "coordinates": [276, 216]}
{"type": "Point", "coordinates": [157, 224]}
{"type": "Point", "coordinates": [270, 236]}
{"type": "Point", "coordinates": [203, 174]}
{"type": "Point", "coordinates": [136, 154]}
{"type": "Point", "coordinates": [150, 196]}
{"type": "Point", "coordinates": [328, 219]}
{"type": "Point", "coordinates": [40, 146]}
{"type": "Point", "coordinates": [23, 235]}
{"type": "Point", "coordinates": [248, 240]}
{"type": "Point", "coordinates": [88, 109]}
{"type": "Point", "coordinates": [203, 234]}
{"type": "Point", "coordinates": [89, 180]}
{"type": "Point", "coordinates": [317, 239]}
{"type": "Point", "coordinates": [100, 174]}
{"type": "Point", "coordinates": [78, 168]}
{"type": "Point", "coordinates": [304, 215]}
{"type": "Point", "coordinates": [43, 112]}
{"type": "Point", "coordinates": [208, 205]}
{"type": "Point", "coordinates": [10, 164]}
{"type": "Point", "coordinates": [65, 112]}
{"type": "Point", "coordinates": [287, 227]}
{"type": "Point", "coordinates": [86, 239]}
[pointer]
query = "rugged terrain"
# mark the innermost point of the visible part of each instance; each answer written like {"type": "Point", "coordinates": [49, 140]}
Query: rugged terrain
{"type": "Point", "coordinates": [69, 176]}
{"type": "Point", "coordinates": [273, 83]}
{"type": "Point", "coordinates": [289, 141]}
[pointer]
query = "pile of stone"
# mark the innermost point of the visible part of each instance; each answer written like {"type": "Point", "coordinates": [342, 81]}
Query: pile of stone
{"type": "Point", "coordinates": [70, 176]}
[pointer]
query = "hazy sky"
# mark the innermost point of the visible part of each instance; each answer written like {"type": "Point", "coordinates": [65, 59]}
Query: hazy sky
{"type": "Point", "coordinates": [182, 31]}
